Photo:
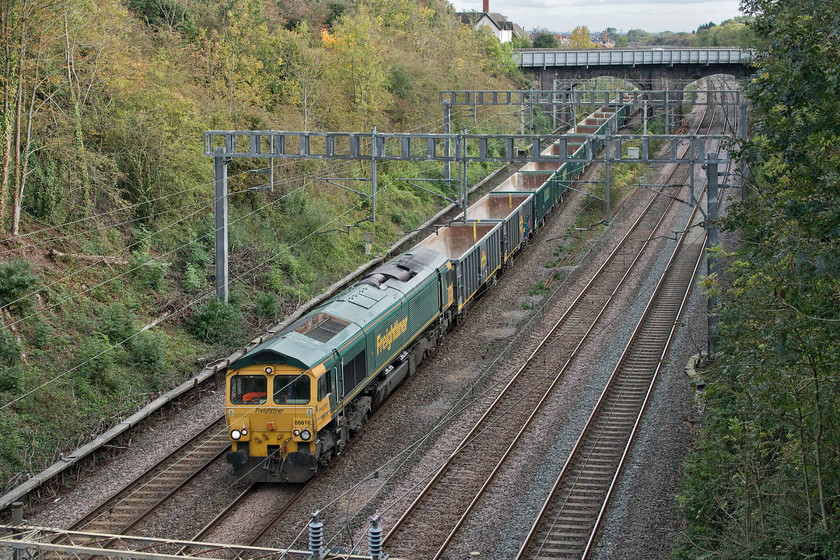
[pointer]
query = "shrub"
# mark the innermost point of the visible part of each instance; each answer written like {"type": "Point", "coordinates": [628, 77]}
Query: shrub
{"type": "Point", "coordinates": [41, 335]}
{"type": "Point", "coordinates": [539, 289]}
{"type": "Point", "coordinates": [267, 306]}
{"type": "Point", "coordinates": [11, 376]}
{"type": "Point", "coordinates": [15, 282]}
{"type": "Point", "coordinates": [9, 349]}
{"type": "Point", "coordinates": [118, 323]}
{"type": "Point", "coordinates": [96, 365]}
{"type": "Point", "coordinates": [11, 380]}
{"type": "Point", "coordinates": [400, 82]}
{"type": "Point", "coordinates": [194, 280]}
{"type": "Point", "coordinates": [148, 356]}
{"type": "Point", "coordinates": [14, 445]}
{"type": "Point", "coordinates": [199, 256]}
{"type": "Point", "coordinates": [216, 322]}
{"type": "Point", "coordinates": [149, 272]}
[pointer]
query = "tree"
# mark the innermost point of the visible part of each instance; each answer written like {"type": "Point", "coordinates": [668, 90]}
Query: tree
{"type": "Point", "coordinates": [766, 475]}
{"type": "Point", "coordinates": [304, 70]}
{"type": "Point", "coordinates": [581, 38]}
{"type": "Point", "coordinates": [545, 41]}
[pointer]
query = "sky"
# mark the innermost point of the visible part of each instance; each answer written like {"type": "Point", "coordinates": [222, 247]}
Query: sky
{"type": "Point", "coordinates": [597, 15]}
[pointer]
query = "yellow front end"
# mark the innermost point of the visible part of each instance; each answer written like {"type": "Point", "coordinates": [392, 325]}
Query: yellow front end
{"type": "Point", "coordinates": [271, 412]}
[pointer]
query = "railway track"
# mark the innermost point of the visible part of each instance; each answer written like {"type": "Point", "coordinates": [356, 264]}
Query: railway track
{"type": "Point", "coordinates": [277, 499]}
{"type": "Point", "coordinates": [569, 519]}
{"type": "Point", "coordinates": [426, 529]}
{"type": "Point", "coordinates": [140, 497]}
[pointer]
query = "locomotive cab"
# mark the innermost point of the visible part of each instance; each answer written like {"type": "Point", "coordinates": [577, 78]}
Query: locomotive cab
{"type": "Point", "coordinates": [271, 418]}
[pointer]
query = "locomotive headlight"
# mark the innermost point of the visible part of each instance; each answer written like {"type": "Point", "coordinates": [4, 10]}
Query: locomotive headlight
{"type": "Point", "coordinates": [235, 434]}
{"type": "Point", "coordinates": [296, 432]}
{"type": "Point", "coordinates": [305, 435]}
{"type": "Point", "coordinates": [244, 431]}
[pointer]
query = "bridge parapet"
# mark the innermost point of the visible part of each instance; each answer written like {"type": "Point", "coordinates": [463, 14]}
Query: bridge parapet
{"type": "Point", "coordinates": [631, 57]}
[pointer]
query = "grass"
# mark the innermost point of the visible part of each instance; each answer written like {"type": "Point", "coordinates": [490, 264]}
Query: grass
{"type": "Point", "coordinates": [539, 289]}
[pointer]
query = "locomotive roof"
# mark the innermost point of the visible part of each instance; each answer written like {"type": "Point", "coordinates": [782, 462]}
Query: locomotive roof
{"type": "Point", "coordinates": [311, 339]}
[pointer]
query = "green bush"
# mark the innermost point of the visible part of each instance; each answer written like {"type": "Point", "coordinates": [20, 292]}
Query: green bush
{"type": "Point", "coordinates": [14, 444]}
{"type": "Point", "coordinates": [118, 324]}
{"type": "Point", "coordinates": [148, 356]}
{"type": "Point", "coordinates": [539, 289]}
{"type": "Point", "coordinates": [199, 256]}
{"type": "Point", "coordinates": [96, 365]}
{"type": "Point", "coordinates": [216, 322]}
{"type": "Point", "coordinates": [194, 280]}
{"type": "Point", "coordinates": [9, 349]}
{"type": "Point", "coordinates": [11, 380]}
{"type": "Point", "coordinates": [149, 272]}
{"type": "Point", "coordinates": [41, 334]}
{"type": "Point", "coordinates": [400, 81]}
{"type": "Point", "coordinates": [267, 306]}
{"type": "Point", "coordinates": [15, 282]}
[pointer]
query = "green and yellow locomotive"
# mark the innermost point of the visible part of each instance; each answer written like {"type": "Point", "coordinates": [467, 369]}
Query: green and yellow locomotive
{"type": "Point", "coordinates": [294, 401]}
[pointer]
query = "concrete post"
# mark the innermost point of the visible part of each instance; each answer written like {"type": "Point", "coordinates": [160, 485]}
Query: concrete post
{"type": "Point", "coordinates": [220, 171]}
{"type": "Point", "coordinates": [712, 241]}
{"type": "Point", "coordinates": [17, 521]}
{"type": "Point", "coordinates": [691, 170]}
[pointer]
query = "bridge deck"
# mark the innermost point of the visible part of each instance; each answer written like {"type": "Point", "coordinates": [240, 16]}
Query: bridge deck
{"type": "Point", "coordinates": [630, 57]}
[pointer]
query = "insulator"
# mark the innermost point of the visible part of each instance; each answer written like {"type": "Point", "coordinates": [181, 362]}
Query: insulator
{"type": "Point", "coordinates": [375, 538]}
{"type": "Point", "coordinates": [316, 536]}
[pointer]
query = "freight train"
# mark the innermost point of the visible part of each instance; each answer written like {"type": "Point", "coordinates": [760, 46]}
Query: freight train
{"type": "Point", "coordinates": [295, 401]}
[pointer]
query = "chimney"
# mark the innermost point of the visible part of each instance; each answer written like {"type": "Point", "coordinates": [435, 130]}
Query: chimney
{"type": "Point", "coordinates": [487, 6]}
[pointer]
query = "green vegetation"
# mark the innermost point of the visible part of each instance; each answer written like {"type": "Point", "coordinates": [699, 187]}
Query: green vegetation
{"type": "Point", "coordinates": [101, 162]}
{"type": "Point", "coordinates": [539, 289]}
{"type": "Point", "coordinates": [765, 478]}
{"type": "Point", "coordinates": [545, 41]}
{"type": "Point", "coordinates": [734, 32]}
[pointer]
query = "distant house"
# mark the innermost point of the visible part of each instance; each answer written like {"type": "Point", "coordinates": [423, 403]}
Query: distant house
{"type": "Point", "coordinates": [498, 24]}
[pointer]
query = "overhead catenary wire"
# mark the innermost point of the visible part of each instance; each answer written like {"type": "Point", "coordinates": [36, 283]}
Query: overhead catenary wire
{"type": "Point", "coordinates": [454, 409]}
{"type": "Point", "coordinates": [99, 227]}
{"type": "Point", "coordinates": [114, 211]}
{"type": "Point", "coordinates": [196, 300]}
{"type": "Point", "coordinates": [121, 252]}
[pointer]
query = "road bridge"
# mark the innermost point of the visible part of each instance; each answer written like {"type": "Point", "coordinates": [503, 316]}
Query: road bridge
{"type": "Point", "coordinates": [649, 68]}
